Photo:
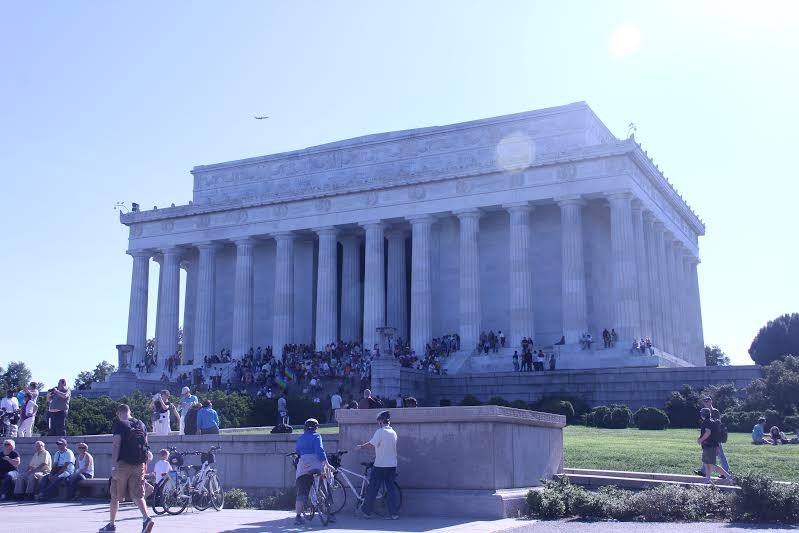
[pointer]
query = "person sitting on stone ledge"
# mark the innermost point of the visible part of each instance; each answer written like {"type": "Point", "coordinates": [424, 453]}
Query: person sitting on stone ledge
{"type": "Point", "coordinates": [84, 469]}
{"type": "Point", "coordinates": [9, 461]}
{"type": "Point", "coordinates": [635, 347]}
{"type": "Point", "coordinates": [63, 467]}
{"type": "Point", "coordinates": [38, 467]}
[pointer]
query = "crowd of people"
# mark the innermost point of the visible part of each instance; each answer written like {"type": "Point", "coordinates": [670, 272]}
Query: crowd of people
{"type": "Point", "coordinates": [20, 410]}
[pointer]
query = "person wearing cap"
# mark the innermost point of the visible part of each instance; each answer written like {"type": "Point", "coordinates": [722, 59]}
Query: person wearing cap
{"type": "Point", "coordinates": [384, 472]}
{"type": "Point", "coordinates": [39, 466]}
{"type": "Point", "coordinates": [63, 467]}
{"type": "Point", "coordinates": [708, 440]}
{"type": "Point", "coordinates": [187, 399]}
{"type": "Point", "coordinates": [759, 432]}
{"type": "Point", "coordinates": [715, 415]}
{"type": "Point", "coordinates": [9, 461]}
{"type": "Point", "coordinates": [312, 459]}
{"type": "Point", "coordinates": [84, 469]}
{"type": "Point", "coordinates": [208, 419]}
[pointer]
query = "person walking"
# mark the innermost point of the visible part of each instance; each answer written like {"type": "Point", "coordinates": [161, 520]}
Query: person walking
{"type": "Point", "coordinates": [129, 452]}
{"type": "Point", "coordinates": [384, 471]}
{"type": "Point", "coordinates": [208, 419]}
{"type": "Point", "coordinates": [187, 399]}
{"type": "Point", "coordinates": [715, 415]}
{"type": "Point", "coordinates": [709, 440]}
{"type": "Point", "coordinates": [57, 409]}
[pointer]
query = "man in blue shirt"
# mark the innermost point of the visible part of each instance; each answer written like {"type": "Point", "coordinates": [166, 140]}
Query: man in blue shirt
{"type": "Point", "coordinates": [759, 432]}
{"type": "Point", "coordinates": [208, 420]}
{"type": "Point", "coordinates": [187, 399]}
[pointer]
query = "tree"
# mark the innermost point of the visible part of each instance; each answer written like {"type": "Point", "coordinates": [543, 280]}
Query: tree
{"type": "Point", "coordinates": [778, 389]}
{"type": "Point", "coordinates": [16, 376]}
{"type": "Point", "coordinates": [778, 338]}
{"type": "Point", "coordinates": [98, 375]}
{"type": "Point", "coordinates": [715, 356]}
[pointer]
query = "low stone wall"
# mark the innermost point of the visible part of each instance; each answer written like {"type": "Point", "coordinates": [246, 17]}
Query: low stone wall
{"type": "Point", "coordinates": [635, 387]}
{"type": "Point", "coordinates": [255, 463]}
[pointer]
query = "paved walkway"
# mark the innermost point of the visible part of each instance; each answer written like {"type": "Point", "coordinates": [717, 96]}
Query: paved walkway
{"type": "Point", "coordinates": [76, 518]}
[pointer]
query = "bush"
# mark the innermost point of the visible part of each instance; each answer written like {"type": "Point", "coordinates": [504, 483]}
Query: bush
{"type": "Point", "coordinates": [554, 406]}
{"type": "Point", "coordinates": [520, 404]}
{"type": "Point", "coordinates": [280, 500]}
{"type": "Point", "coordinates": [236, 499]}
{"type": "Point", "coordinates": [725, 397]}
{"type": "Point", "coordinates": [547, 504]}
{"type": "Point", "coordinates": [790, 423]}
{"type": "Point", "coordinates": [683, 408]}
{"type": "Point", "coordinates": [471, 399]}
{"type": "Point", "coordinates": [496, 400]}
{"type": "Point", "coordinates": [651, 418]}
{"type": "Point", "coordinates": [762, 500]}
{"type": "Point", "coordinates": [609, 416]}
{"type": "Point", "coordinates": [744, 421]}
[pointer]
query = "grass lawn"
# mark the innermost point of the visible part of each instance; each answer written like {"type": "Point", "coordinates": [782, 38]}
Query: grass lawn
{"type": "Point", "coordinates": [673, 451]}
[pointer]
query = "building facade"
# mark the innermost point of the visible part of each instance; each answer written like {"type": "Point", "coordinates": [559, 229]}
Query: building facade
{"type": "Point", "coordinates": [540, 224]}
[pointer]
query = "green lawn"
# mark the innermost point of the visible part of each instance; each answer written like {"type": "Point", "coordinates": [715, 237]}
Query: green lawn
{"type": "Point", "coordinates": [672, 451]}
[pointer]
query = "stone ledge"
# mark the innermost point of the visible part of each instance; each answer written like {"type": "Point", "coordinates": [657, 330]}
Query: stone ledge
{"type": "Point", "coordinates": [482, 413]}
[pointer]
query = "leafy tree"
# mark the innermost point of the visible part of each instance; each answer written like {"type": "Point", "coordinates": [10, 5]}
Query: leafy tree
{"type": "Point", "coordinates": [725, 397]}
{"type": "Point", "coordinates": [778, 338]}
{"type": "Point", "coordinates": [715, 356]}
{"type": "Point", "coordinates": [98, 375]}
{"type": "Point", "coordinates": [778, 389]}
{"type": "Point", "coordinates": [15, 377]}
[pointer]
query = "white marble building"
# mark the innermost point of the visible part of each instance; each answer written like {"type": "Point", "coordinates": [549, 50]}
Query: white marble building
{"type": "Point", "coordinates": [538, 224]}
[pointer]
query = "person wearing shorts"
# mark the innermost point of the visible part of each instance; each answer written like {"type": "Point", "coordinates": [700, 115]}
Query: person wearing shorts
{"type": "Point", "coordinates": [128, 456]}
{"type": "Point", "coordinates": [708, 440]}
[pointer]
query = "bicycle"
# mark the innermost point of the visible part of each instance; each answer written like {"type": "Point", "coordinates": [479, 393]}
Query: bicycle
{"type": "Point", "coordinates": [202, 489]}
{"type": "Point", "coordinates": [318, 497]}
{"type": "Point", "coordinates": [339, 488]}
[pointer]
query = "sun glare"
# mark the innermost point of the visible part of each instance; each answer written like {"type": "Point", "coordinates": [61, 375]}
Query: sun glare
{"type": "Point", "coordinates": [625, 40]}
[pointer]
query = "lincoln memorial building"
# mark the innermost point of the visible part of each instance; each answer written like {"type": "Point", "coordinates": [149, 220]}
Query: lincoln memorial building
{"type": "Point", "coordinates": [540, 224]}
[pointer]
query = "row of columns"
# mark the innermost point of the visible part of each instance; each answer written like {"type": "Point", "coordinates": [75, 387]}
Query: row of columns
{"type": "Point", "coordinates": [654, 284]}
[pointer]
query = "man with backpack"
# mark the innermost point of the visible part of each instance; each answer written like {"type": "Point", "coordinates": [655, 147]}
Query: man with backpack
{"type": "Point", "coordinates": [129, 451]}
{"type": "Point", "coordinates": [709, 436]}
{"type": "Point", "coordinates": [716, 415]}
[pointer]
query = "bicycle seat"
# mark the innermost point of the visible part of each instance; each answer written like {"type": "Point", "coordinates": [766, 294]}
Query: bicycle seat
{"type": "Point", "coordinates": [368, 464]}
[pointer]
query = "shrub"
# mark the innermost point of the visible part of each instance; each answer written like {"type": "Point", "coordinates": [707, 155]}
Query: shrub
{"type": "Point", "coordinates": [651, 418]}
{"type": "Point", "coordinates": [236, 499]}
{"type": "Point", "coordinates": [744, 421]}
{"type": "Point", "coordinates": [762, 500]}
{"type": "Point", "coordinates": [725, 397]}
{"type": "Point", "coordinates": [280, 500]}
{"type": "Point", "coordinates": [791, 423]}
{"type": "Point", "coordinates": [496, 400]}
{"type": "Point", "coordinates": [554, 406]}
{"type": "Point", "coordinates": [683, 408]}
{"type": "Point", "coordinates": [547, 504]}
{"type": "Point", "coordinates": [520, 404]}
{"type": "Point", "coordinates": [609, 416]}
{"type": "Point", "coordinates": [471, 399]}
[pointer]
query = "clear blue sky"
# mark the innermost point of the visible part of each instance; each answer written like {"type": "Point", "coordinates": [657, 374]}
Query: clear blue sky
{"type": "Point", "coordinates": [108, 101]}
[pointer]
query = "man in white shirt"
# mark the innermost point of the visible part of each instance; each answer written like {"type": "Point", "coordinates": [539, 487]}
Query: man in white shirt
{"type": "Point", "coordinates": [10, 402]}
{"type": "Point", "coordinates": [384, 470]}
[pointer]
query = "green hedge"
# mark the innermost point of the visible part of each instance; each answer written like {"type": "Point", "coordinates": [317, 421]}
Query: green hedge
{"type": "Point", "coordinates": [650, 418]}
{"type": "Point", "coordinates": [609, 416]}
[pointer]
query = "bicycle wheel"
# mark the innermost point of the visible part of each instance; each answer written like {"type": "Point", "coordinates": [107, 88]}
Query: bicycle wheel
{"type": "Point", "coordinates": [323, 504]}
{"type": "Point", "coordinates": [337, 495]}
{"type": "Point", "coordinates": [157, 499]}
{"type": "Point", "coordinates": [175, 501]}
{"type": "Point", "coordinates": [215, 492]}
{"type": "Point", "coordinates": [200, 498]}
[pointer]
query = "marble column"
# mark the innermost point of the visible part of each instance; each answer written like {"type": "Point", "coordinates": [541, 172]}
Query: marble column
{"type": "Point", "coordinates": [699, 336]}
{"type": "Point", "coordinates": [397, 308]}
{"type": "Point", "coordinates": [243, 297]}
{"type": "Point", "coordinates": [206, 292]}
{"type": "Point", "coordinates": [189, 308]}
{"type": "Point", "coordinates": [574, 302]}
{"type": "Point", "coordinates": [283, 294]}
{"type": "Point", "coordinates": [666, 289]}
{"type": "Point", "coordinates": [137, 313]}
{"type": "Point", "coordinates": [655, 305]}
{"type": "Point", "coordinates": [642, 270]}
{"type": "Point", "coordinates": [690, 315]}
{"type": "Point", "coordinates": [521, 273]}
{"type": "Point", "coordinates": [158, 258]}
{"type": "Point", "coordinates": [326, 288]}
{"type": "Point", "coordinates": [421, 284]}
{"type": "Point", "coordinates": [374, 291]}
{"type": "Point", "coordinates": [469, 276]}
{"type": "Point", "coordinates": [627, 317]}
{"type": "Point", "coordinates": [351, 289]}
{"type": "Point", "coordinates": [168, 306]}
{"type": "Point", "coordinates": [679, 300]}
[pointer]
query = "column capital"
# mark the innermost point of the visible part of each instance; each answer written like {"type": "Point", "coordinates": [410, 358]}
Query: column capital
{"type": "Point", "coordinates": [140, 254]}
{"type": "Point", "coordinates": [396, 233]}
{"type": "Point", "coordinates": [570, 199]}
{"type": "Point", "coordinates": [244, 241]}
{"type": "Point", "coordinates": [326, 230]}
{"type": "Point", "coordinates": [691, 259]}
{"type": "Point", "coordinates": [519, 207]}
{"type": "Point", "coordinates": [284, 236]}
{"type": "Point", "coordinates": [619, 196]}
{"type": "Point", "coordinates": [638, 206]}
{"type": "Point", "coordinates": [467, 213]}
{"type": "Point", "coordinates": [372, 224]}
{"type": "Point", "coordinates": [208, 246]}
{"type": "Point", "coordinates": [421, 219]}
{"type": "Point", "coordinates": [185, 265]}
{"type": "Point", "coordinates": [648, 215]}
{"type": "Point", "coordinates": [350, 238]}
{"type": "Point", "coordinates": [172, 253]}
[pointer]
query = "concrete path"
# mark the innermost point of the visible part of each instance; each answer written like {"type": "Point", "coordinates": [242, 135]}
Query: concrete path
{"type": "Point", "coordinates": [75, 518]}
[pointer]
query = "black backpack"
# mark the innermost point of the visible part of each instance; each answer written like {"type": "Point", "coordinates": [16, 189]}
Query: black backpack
{"type": "Point", "coordinates": [716, 432]}
{"type": "Point", "coordinates": [721, 435]}
{"type": "Point", "coordinates": [134, 447]}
